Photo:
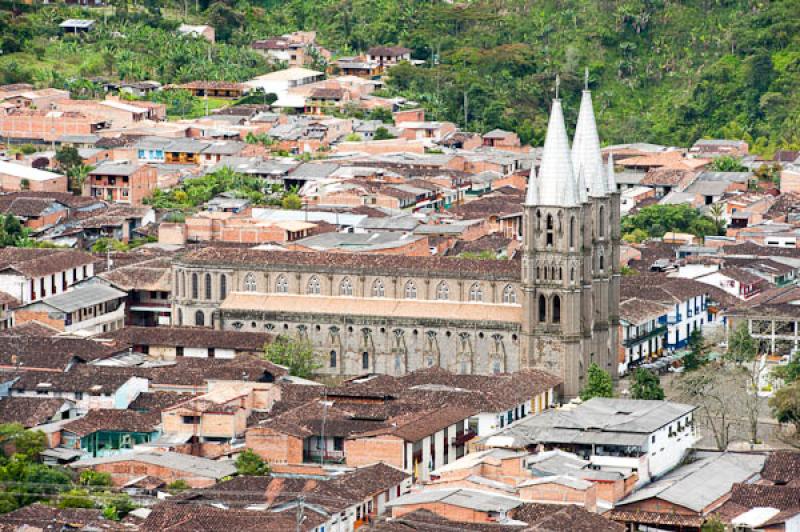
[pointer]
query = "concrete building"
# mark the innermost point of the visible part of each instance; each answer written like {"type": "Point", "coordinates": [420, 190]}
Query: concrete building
{"type": "Point", "coordinates": [16, 177]}
{"type": "Point", "coordinates": [122, 183]}
{"type": "Point", "coordinates": [649, 438]}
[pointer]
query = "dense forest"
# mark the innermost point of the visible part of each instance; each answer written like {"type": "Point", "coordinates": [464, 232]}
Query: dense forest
{"type": "Point", "coordinates": [663, 71]}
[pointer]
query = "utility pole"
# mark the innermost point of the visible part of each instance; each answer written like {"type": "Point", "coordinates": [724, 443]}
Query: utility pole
{"type": "Point", "coordinates": [299, 517]}
{"type": "Point", "coordinates": [466, 109]}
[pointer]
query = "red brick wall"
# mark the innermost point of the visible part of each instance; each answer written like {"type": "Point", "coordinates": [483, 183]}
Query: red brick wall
{"type": "Point", "coordinates": [123, 472]}
{"type": "Point", "coordinates": [365, 451]}
{"type": "Point", "coordinates": [274, 446]}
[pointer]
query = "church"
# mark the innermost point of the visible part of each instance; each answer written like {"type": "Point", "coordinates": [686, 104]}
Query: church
{"type": "Point", "coordinates": [556, 308]}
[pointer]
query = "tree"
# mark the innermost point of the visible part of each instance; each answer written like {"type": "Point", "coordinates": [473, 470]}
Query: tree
{"type": "Point", "coordinates": [75, 498]}
{"type": "Point", "coordinates": [785, 404]}
{"type": "Point", "coordinates": [381, 133]}
{"type": "Point", "coordinates": [27, 444]}
{"type": "Point", "coordinates": [68, 158]}
{"type": "Point", "coordinates": [177, 486]}
{"type": "Point", "coordinates": [717, 212]}
{"type": "Point", "coordinates": [353, 137]}
{"type": "Point", "coordinates": [695, 357]}
{"type": "Point", "coordinates": [599, 384]}
{"type": "Point", "coordinates": [296, 355]}
{"type": "Point", "coordinates": [646, 385]}
{"type": "Point", "coordinates": [743, 353]}
{"type": "Point", "coordinates": [728, 163]}
{"type": "Point", "coordinates": [249, 463]}
{"type": "Point", "coordinates": [717, 391]}
{"type": "Point", "coordinates": [90, 477]}
{"type": "Point", "coordinates": [291, 202]}
{"type": "Point", "coordinates": [713, 524]}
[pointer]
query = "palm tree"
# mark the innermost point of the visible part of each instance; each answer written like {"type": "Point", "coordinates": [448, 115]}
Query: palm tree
{"type": "Point", "coordinates": [77, 177]}
{"type": "Point", "coordinates": [717, 212]}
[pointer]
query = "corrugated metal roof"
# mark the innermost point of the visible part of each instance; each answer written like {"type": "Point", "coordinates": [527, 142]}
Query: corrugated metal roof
{"type": "Point", "coordinates": [83, 296]}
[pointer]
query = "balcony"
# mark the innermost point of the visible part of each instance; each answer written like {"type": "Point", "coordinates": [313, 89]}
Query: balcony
{"type": "Point", "coordinates": [461, 439]}
{"type": "Point", "coordinates": [643, 337]}
{"type": "Point", "coordinates": [329, 457]}
{"type": "Point", "coordinates": [677, 318]}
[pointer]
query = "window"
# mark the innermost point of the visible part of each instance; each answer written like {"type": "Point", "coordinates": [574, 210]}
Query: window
{"type": "Point", "coordinates": [313, 286]}
{"type": "Point", "coordinates": [282, 285]}
{"type": "Point", "coordinates": [572, 232]}
{"type": "Point", "coordinates": [475, 292]}
{"type": "Point", "coordinates": [249, 283]}
{"type": "Point", "coordinates": [333, 358]}
{"type": "Point", "coordinates": [601, 261]}
{"type": "Point", "coordinates": [179, 351]}
{"type": "Point", "coordinates": [180, 317]}
{"type": "Point", "coordinates": [223, 286]}
{"type": "Point", "coordinates": [377, 288]}
{"type": "Point", "coordinates": [556, 309]}
{"type": "Point", "coordinates": [509, 295]}
{"type": "Point", "coordinates": [542, 309]}
{"type": "Point", "coordinates": [346, 287]}
{"type": "Point", "coordinates": [199, 318]}
{"type": "Point", "coordinates": [195, 289]}
{"type": "Point", "coordinates": [443, 291]}
{"type": "Point", "coordinates": [411, 290]}
{"type": "Point", "coordinates": [601, 222]}
{"type": "Point", "coordinates": [549, 229]}
{"type": "Point", "coordinates": [365, 360]}
{"type": "Point", "coordinates": [191, 420]}
{"type": "Point", "coordinates": [208, 285]}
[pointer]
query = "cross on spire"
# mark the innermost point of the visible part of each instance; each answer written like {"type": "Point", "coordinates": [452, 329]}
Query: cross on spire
{"type": "Point", "coordinates": [558, 84]}
{"type": "Point", "coordinates": [586, 79]}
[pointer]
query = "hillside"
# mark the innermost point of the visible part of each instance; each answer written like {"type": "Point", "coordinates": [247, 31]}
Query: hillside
{"type": "Point", "coordinates": [662, 71]}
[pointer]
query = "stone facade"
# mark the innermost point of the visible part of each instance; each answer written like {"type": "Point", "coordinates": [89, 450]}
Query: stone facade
{"type": "Point", "coordinates": [557, 309]}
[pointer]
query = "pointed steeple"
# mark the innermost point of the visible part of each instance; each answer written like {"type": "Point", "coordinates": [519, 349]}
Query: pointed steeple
{"type": "Point", "coordinates": [586, 148]}
{"type": "Point", "coordinates": [557, 186]}
{"type": "Point", "coordinates": [532, 196]}
{"type": "Point", "coordinates": [611, 179]}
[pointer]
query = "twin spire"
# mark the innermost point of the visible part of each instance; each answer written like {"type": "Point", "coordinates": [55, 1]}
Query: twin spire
{"type": "Point", "coordinates": [567, 177]}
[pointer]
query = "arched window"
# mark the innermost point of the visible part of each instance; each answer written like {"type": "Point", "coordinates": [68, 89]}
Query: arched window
{"type": "Point", "coordinates": [443, 291]}
{"type": "Point", "coordinates": [546, 270]}
{"type": "Point", "coordinates": [411, 290]}
{"type": "Point", "coordinates": [572, 232]}
{"type": "Point", "coordinates": [346, 287]}
{"type": "Point", "coordinates": [542, 309]}
{"type": "Point", "coordinates": [556, 309]}
{"type": "Point", "coordinates": [199, 318]}
{"type": "Point", "coordinates": [333, 358]}
{"type": "Point", "coordinates": [538, 220]}
{"type": "Point", "coordinates": [538, 273]}
{"type": "Point", "coordinates": [377, 288]}
{"type": "Point", "coordinates": [475, 292]}
{"type": "Point", "coordinates": [249, 283]}
{"type": "Point", "coordinates": [602, 262]}
{"type": "Point", "coordinates": [572, 275]}
{"type": "Point", "coordinates": [313, 286]}
{"type": "Point", "coordinates": [601, 222]}
{"type": "Point", "coordinates": [560, 273]}
{"type": "Point", "coordinates": [282, 285]}
{"type": "Point", "coordinates": [195, 289]}
{"type": "Point", "coordinates": [223, 286]}
{"type": "Point", "coordinates": [208, 285]}
{"type": "Point", "coordinates": [549, 229]}
{"type": "Point", "coordinates": [365, 360]}
{"type": "Point", "coordinates": [509, 295]}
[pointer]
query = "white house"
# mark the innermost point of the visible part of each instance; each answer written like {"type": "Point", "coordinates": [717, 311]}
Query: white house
{"type": "Point", "coordinates": [33, 274]}
{"type": "Point", "coordinates": [646, 437]}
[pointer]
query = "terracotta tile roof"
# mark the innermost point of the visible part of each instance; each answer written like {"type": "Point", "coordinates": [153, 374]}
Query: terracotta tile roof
{"type": "Point", "coordinates": [156, 401]}
{"type": "Point", "coordinates": [30, 328]}
{"type": "Point", "coordinates": [751, 248]}
{"type": "Point", "coordinates": [427, 521]}
{"type": "Point", "coordinates": [388, 51]}
{"type": "Point", "coordinates": [668, 159]}
{"type": "Point", "coordinates": [151, 275]}
{"type": "Point", "coordinates": [373, 264]}
{"type": "Point", "coordinates": [29, 411]}
{"type": "Point", "coordinates": [44, 517]}
{"type": "Point", "coordinates": [743, 276]}
{"type": "Point", "coordinates": [758, 495]}
{"type": "Point", "coordinates": [113, 421]}
{"type": "Point", "coordinates": [488, 206]}
{"type": "Point", "coordinates": [657, 518]}
{"type": "Point", "coordinates": [219, 85]}
{"type": "Point", "coordinates": [671, 177]}
{"type": "Point", "coordinates": [196, 372]}
{"type": "Point", "coordinates": [55, 353]}
{"type": "Point", "coordinates": [26, 207]}
{"type": "Point", "coordinates": [82, 378]}
{"type": "Point", "coordinates": [637, 310]}
{"type": "Point", "coordinates": [189, 337]}
{"type": "Point", "coordinates": [660, 288]}
{"type": "Point", "coordinates": [172, 517]}
{"type": "Point", "coordinates": [492, 243]}
{"type": "Point", "coordinates": [33, 262]}
{"type": "Point", "coordinates": [553, 517]}
{"type": "Point", "coordinates": [782, 467]}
